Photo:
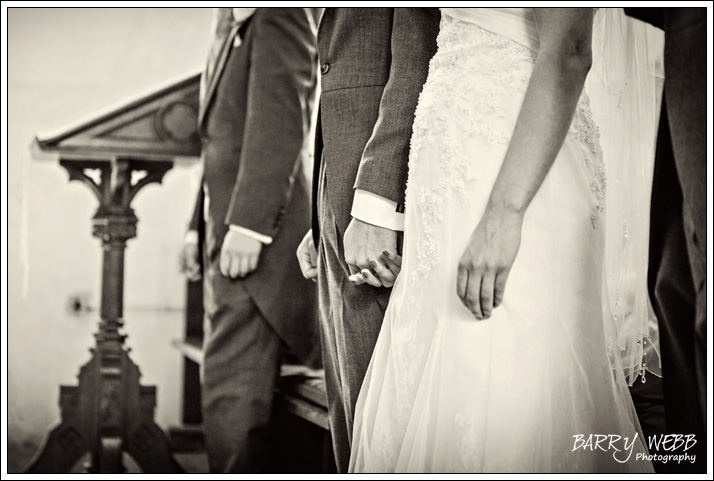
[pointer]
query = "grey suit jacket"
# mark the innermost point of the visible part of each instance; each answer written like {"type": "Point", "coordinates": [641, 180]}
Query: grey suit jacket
{"type": "Point", "coordinates": [254, 124]}
{"type": "Point", "coordinates": [373, 63]}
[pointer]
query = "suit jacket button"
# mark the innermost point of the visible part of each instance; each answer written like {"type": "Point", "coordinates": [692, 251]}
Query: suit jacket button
{"type": "Point", "coordinates": [324, 68]}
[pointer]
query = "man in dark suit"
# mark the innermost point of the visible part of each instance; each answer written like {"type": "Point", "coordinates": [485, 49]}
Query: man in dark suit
{"type": "Point", "coordinates": [678, 230]}
{"type": "Point", "coordinates": [374, 62]}
{"type": "Point", "coordinates": [254, 121]}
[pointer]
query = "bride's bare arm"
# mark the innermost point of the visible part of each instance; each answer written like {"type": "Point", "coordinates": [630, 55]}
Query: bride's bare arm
{"type": "Point", "coordinates": [555, 86]}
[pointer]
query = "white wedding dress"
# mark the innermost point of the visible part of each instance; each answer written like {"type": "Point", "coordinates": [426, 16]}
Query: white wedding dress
{"type": "Point", "coordinates": [445, 392]}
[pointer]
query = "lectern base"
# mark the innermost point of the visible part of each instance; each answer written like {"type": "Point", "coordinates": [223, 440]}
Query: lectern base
{"type": "Point", "coordinates": [109, 395]}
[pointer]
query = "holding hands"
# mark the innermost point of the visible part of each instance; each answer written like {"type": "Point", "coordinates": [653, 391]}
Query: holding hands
{"type": "Point", "coordinates": [371, 254]}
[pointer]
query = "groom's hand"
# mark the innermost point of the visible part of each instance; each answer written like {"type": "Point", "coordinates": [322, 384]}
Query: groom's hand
{"type": "Point", "coordinates": [364, 246]}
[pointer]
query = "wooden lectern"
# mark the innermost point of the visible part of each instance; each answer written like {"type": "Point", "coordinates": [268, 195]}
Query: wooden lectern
{"type": "Point", "coordinates": [116, 154]}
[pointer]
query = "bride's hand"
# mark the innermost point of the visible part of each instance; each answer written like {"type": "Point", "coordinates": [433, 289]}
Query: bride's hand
{"type": "Point", "coordinates": [486, 262]}
{"type": "Point", "coordinates": [364, 244]}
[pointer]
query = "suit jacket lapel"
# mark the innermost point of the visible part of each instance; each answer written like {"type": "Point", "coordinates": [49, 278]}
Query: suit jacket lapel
{"type": "Point", "coordinates": [218, 70]}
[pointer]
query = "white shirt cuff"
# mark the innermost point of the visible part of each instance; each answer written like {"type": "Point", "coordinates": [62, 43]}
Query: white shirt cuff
{"type": "Point", "coordinates": [376, 210]}
{"type": "Point", "coordinates": [191, 237]}
{"type": "Point", "coordinates": [247, 232]}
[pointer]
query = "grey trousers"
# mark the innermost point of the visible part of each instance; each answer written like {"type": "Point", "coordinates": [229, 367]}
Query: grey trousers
{"type": "Point", "coordinates": [240, 368]}
{"type": "Point", "coordinates": [350, 320]}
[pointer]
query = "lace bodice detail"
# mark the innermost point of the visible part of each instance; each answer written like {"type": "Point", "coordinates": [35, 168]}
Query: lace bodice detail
{"type": "Point", "coordinates": [472, 74]}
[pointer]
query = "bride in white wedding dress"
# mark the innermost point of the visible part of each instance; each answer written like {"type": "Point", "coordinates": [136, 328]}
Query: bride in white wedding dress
{"type": "Point", "coordinates": [506, 189]}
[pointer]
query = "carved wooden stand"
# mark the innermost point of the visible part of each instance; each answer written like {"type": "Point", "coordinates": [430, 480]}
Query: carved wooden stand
{"type": "Point", "coordinates": [109, 412]}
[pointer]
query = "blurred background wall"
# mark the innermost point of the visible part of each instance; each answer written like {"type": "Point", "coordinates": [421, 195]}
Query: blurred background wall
{"type": "Point", "coordinates": [64, 64]}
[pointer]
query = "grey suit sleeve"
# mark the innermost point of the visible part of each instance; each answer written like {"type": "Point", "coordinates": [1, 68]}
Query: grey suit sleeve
{"type": "Point", "coordinates": [383, 168]}
{"type": "Point", "coordinates": [283, 63]}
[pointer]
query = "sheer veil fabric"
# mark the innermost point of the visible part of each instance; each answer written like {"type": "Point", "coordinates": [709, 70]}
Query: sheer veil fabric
{"type": "Point", "coordinates": [515, 393]}
{"type": "Point", "coordinates": [623, 91]}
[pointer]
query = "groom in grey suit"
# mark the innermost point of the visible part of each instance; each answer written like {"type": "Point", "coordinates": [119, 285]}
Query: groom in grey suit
{"type": "Point", "coordinates": [373, 62]}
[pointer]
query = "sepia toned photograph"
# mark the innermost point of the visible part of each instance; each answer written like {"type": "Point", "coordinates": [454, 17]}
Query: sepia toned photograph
{"type": "Point", "coordinates": [294, 241]}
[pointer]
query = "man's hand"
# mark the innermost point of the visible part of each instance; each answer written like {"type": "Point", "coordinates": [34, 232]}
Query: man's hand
{"type": "Point", "coordinates": [189, 261]}
{"type": "Point", "coordinates": [364, 245]}
{"type": "Point", "coordinates": [239, 255]}
{"type": "Point", "coordinates": [307, 257]}
{"type": "Point", "coordinates": [487, 261]}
